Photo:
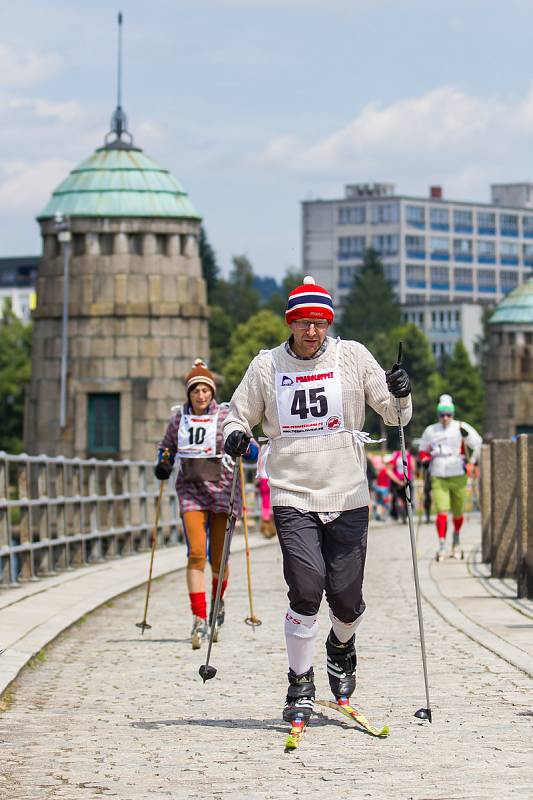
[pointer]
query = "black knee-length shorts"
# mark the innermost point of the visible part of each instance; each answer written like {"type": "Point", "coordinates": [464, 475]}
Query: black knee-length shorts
{"type": "Point", "coordinates": [320, 557]}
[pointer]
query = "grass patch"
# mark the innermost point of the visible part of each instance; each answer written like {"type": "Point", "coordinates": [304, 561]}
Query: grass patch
{"type": "Point", "coordinates": [37, 659]}
{"type": "Point", "coordinates": [6, 700]}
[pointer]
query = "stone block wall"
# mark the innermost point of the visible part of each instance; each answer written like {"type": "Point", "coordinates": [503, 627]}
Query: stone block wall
{"type": "Point", "coordinates": [137, 320]}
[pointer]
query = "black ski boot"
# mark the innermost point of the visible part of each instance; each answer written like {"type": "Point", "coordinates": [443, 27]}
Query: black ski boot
{"type": "Point", "coordinates": [300, 696]}
{"type": "Point", "coordinates": [341, 664]}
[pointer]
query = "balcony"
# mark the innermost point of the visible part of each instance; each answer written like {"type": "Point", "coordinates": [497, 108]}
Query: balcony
{"type": "Point", "coordinates": [484, 230]}
{"type": "Point", "coordinates": [440, 256]}
{"type": "Point", "coordinates": [463, 228]}
{"type": "Point", "coordinates": [416, 253]}
{"type": "Point", "coordinates": [466, 257]}
{"type": "Point", "coordinates": [485, 259]}
{"type": "Point", "coordinates": [509, 260]}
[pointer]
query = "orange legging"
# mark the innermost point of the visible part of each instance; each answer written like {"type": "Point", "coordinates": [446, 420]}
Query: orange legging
{"type": "Point", "coordinates": [195, 524]}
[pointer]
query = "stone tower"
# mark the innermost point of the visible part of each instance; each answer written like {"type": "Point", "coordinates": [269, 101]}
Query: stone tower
{"type": "Point", "coordinates": [137, 309]}
{"type": "Point", "coordinates": [509, 398]}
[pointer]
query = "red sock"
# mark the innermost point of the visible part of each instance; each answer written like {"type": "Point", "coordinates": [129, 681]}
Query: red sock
{"type": "Point", "coordinates": [457, 523]}
{"type": "Point", "coordinates": [442, 524]}
{"type": "Point", "coordinates": [198, 604]}
{"type": "Point", "coordinates": [214, 587]}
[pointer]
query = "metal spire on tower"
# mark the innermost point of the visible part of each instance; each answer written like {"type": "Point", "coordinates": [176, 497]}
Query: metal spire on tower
{"type": "Point", "coordinates": [119, 122]}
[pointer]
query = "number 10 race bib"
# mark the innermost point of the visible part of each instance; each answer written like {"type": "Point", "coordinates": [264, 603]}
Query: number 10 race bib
{"type": "Point", "coordinates": [309, 403]}
{"type": "Point", "coordinates": [197, 436]}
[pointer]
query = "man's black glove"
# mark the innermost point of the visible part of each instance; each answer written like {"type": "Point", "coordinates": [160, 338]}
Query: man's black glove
{"type": "Point", "coordinates": [163, 471]}
{"type": "Point", "coordinates": [236, 444]}
{"type": "Point", "coordinates": [398, 381]}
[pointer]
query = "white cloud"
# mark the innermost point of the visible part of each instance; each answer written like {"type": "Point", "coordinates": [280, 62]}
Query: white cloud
{"type": "Point", "coordinates": [42, 108]}
{"type": "Point", "coordinates": [26, 68]}
{"type": "Point", "coordinates": [442, 136]}
{"type": "Point", "coordinates": [27, 186]}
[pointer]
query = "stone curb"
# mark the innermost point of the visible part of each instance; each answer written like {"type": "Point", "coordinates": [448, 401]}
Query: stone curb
{"type": "Point", "coordinates": [70, 598]}
{"type": "Point", "coordinates": [446, 609]}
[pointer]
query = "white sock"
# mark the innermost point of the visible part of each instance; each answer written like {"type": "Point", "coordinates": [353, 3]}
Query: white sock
{"type": "Point", "coordinates": [300, 635]}
{"type": "Point", "coordinates": [343, 630]}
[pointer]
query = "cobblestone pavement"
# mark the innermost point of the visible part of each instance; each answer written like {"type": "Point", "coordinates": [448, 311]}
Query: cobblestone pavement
{"type": "Point", "coordinates": [109, 714]}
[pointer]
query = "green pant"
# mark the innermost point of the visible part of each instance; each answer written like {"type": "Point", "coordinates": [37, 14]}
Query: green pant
{"type": "Point", "coordinates": [449, 493]}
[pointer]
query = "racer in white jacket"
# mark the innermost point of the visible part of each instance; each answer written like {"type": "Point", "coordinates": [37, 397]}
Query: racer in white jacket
{"type": "Point", "coordinates": [443, 449]}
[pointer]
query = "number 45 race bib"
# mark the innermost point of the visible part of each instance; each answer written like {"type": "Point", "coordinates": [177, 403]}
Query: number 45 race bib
{"type": "Point", "coordinates": [309, 403]}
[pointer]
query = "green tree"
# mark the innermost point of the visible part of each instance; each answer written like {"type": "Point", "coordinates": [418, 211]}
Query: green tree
{"type": "Point", "coordinates": [220, 330]}
{"type": "Point", "coordinates": [242, 300]}
{"type": "Point", "coordinates": [262, 331]}
{"type": "Point", "coordinates": [418, 360]}
{"type": "Point", "coordinates": [278, 301]}
{"type": "Point", "coordinates": [464, 382]}
{"type": "Point", "coordinates": [15, 370]}
{"type": "Point", "coordinates": [210, 268]}
{"type": "Point", "coordinates": [370, 307]}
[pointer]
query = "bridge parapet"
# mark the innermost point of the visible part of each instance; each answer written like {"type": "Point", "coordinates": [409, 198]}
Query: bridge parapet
{"type": "Point", "coordinates": [61, 513]}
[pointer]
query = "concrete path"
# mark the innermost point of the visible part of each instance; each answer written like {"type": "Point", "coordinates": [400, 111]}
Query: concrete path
{"type": "Point", "coordinates": [111, 714]}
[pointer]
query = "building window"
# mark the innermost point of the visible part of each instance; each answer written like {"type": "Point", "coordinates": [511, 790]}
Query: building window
{"type": "Point", "coordinates": [462, 249]}
{"type": "Point", "coordinates": [351, 246]}
{"type": "Point", "coordinates": [415, 246]}
{"type": "Point", "coordinates": [486, 280]}
{"type": "Point", "coordinates": [527, 223]}
{"type": "Point", "coordinates": [462, 221]}
{"type": "Point", "coordinates": [103, 425]}
{"type": "Point", "coordinates": [392, 273]}
{"type": "Point", "coordinates": [486, 251]}
{"type": "Point", "coordinates": [347, 277]}
{"type": "Point", "coordinates": [440, 278]}
{"type": "Point", "coordinates": [135, 244]}
{"type": "Point", "coordinates": [385, 213]}
{"type": "Point", "coordinates": [78, 244]}
{"type": "Point", "coordinates": [463, 280]}
{"type": "Point", "coordinates": [486, 222]}
{"type": "Point", "coordinates": [415, 276]}
{"type": "Point", "coordinates": [509, 252]}
{"type": "Point", "coordinates": [415, 216]}
{"type": "Point", "coordinates": [508, 280]}
{"type": "Point", "coordinates": [161, 241]}
{"type": "Point", "coordinates": [439, 219]}
{"type": "Point", "coordinates": [509, 224]}
{"type": "Point", "coordinates": [352, 215]}
{"type": "Point", "coordinates": [439, 248]}
{"type": "Point", "coordinates": [106, 242]}
{"type": "Point", "coordinates": [387, 244]}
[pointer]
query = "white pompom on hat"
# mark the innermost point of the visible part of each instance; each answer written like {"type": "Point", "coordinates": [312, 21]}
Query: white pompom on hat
{"type": "Point", "coordinates": [200, 374]}
{"type": "Point", "coordinates": [309, 301]}
{"type": "Point", "coordinates": [446, 404]}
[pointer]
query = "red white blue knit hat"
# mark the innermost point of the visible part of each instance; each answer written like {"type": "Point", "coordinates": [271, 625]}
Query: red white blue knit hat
{"type": "Point", "coordinates": [309, 301]}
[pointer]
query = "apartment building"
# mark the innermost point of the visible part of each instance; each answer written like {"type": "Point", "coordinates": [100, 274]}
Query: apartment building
{"type": "Point", "coordinates": [18, 277]}
{"type": "Point", "coordinates": [438, 254]}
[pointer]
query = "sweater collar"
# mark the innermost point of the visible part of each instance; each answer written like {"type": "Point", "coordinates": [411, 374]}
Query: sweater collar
{"type": "Point", "coordinates": [321, 350]}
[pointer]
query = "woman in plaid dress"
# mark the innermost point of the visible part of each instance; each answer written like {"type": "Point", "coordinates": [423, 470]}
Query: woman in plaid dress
{"type": "Point", "coordinates": [203, 485]}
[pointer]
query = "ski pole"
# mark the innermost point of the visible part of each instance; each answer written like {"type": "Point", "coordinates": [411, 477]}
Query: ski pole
{"type": "Point", "coordinates": [422, 713]}
{"type": "Point", "coordinates": [207, 671]}
{"type": "Point", "coordinates": [252, 619]}
{"type": "Point", "coordinates": [143, 625]}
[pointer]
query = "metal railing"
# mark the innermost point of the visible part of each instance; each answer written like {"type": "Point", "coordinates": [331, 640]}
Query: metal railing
{"type": "Point", "coordinates": [61, 513]}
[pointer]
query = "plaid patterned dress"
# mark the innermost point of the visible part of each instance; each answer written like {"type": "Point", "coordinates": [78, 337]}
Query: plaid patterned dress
{"type": "Point", "coordinates": [204, 495]}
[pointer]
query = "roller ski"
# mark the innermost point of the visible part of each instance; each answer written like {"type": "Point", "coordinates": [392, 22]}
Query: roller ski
{"type": "Point", "coordinates": [299, 706]}
{"type": "Point", "coordinates": [343, 706]}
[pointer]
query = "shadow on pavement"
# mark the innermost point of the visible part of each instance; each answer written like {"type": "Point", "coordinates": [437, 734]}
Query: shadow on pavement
{"type": "Point", "coordinates": [151, 641]}
{"type": "Point", "coordinates": [244, 724]}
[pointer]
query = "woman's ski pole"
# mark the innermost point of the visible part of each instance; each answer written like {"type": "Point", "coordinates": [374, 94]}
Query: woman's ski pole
{"type": "Point", "coordinates": [422, 713]}
{"type": "Point", "coordinates": [206, 670]}
{"type": "Point", "coordinates": [143, 625]}
{"type": "Point", "coordinates": [252, 619]}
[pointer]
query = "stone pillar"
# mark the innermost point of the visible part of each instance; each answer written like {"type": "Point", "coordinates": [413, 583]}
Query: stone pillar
{"type": "Point", "coordinates": [524, 465]}
{"type": "Point", "coordinates": [485, 486]}
{"type": "Point", "coordinates": [503, 510]}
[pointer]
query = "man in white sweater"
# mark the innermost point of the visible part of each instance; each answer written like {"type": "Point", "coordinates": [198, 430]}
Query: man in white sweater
{"type": "Point", "coordinates": [310, 394]}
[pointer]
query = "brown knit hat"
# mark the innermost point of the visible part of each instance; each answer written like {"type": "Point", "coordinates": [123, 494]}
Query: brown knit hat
{"type": "Point", "coordinates": [200, 374]}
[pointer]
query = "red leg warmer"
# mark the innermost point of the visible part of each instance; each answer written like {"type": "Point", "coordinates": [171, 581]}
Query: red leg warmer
{"type": "Point", "coordinates": [442, 524]}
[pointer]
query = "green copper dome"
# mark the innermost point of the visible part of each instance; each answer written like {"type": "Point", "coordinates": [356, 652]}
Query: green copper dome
{"type": "Point", "coordinates": [120, 181]}
{"type": "Point", "coordinates": [517, 307]}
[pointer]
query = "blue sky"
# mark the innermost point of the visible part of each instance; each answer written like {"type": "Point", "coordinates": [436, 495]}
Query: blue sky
{"type": "Point", "coordinates": [256, 105]}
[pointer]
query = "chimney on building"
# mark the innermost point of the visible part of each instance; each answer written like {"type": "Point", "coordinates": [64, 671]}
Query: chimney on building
{"type": "Point", "coordinates": [435, 192]}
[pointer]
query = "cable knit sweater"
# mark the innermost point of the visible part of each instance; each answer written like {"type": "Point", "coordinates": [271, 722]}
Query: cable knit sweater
{"type": "Point", "coordinates": [317, 473]}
